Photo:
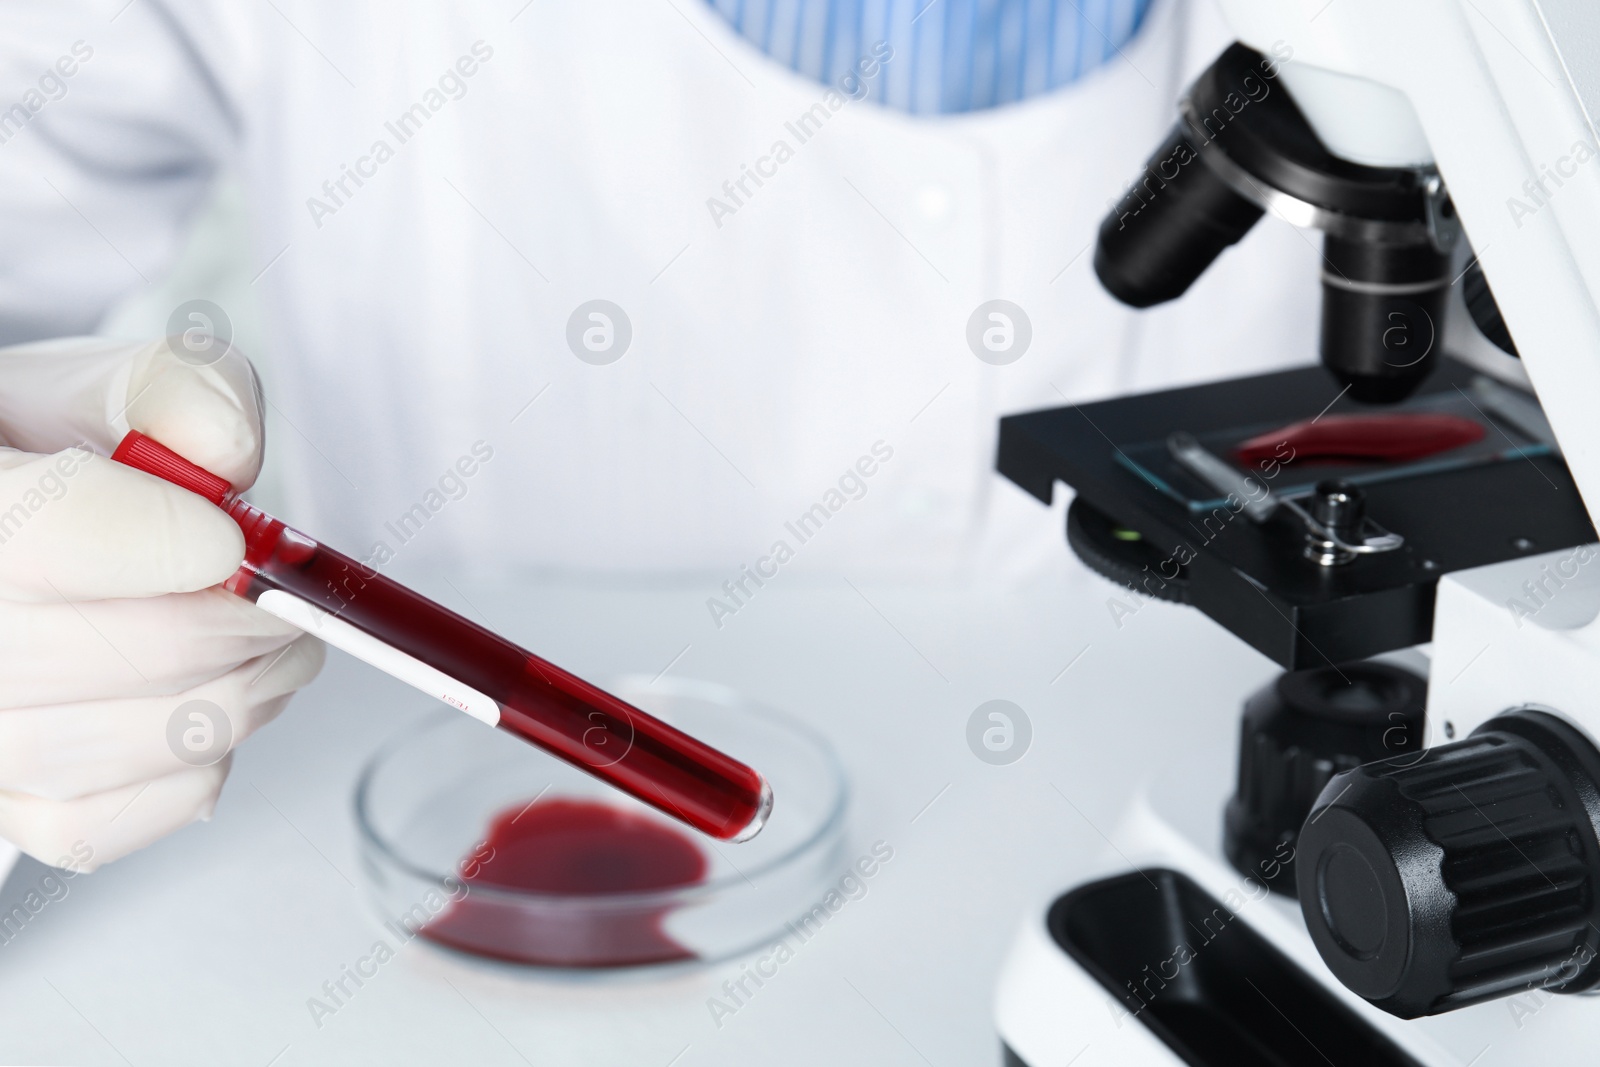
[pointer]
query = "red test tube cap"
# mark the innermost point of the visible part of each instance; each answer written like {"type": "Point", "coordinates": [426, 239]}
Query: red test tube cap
{"type": "Point", "coordinates": [149, 455]}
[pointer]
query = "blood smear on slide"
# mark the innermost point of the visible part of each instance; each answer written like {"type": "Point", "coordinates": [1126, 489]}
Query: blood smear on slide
{"type": "Point", "coordinates": [1400, 437]}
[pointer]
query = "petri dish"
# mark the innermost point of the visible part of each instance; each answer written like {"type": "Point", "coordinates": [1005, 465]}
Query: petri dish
{"type": "Point", "coordinates": [480, 844]}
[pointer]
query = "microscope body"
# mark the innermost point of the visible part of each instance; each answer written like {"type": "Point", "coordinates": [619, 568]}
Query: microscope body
{"type": "Point", "coordinates": [1431, 141]}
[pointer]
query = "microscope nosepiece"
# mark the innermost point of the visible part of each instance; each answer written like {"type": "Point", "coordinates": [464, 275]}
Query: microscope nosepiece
{"type": "Point", "coordinates": [1241, 144]}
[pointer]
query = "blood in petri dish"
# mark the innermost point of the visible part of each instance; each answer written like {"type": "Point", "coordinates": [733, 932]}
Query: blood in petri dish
{"type": "Point", "coordinates": [539, 702]}
{"type": "Point", "coordinates": [1398, 437]}
{"type": "Point", "coordinates": [570, 848]}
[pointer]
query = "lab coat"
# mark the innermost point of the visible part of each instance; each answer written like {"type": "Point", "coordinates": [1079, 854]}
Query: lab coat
{"type": "Point", "coordinates": [435, 189]}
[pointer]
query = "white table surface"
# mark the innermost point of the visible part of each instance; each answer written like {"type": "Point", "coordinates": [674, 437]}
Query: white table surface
{"type": "Point", "coordinates": [206, 947]}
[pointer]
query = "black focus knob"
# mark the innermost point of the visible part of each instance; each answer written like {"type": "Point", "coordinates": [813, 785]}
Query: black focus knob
{"type": "Point", "coordinates": [1296, 734]}
{"type": "Point", "coordinates": [1469, 873]}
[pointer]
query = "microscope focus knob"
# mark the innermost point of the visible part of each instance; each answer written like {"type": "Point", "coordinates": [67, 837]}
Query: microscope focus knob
{"type": "Point", "coordinates": [1296, 733]}
{"type": "Point", "coordinates": [1462, 873]}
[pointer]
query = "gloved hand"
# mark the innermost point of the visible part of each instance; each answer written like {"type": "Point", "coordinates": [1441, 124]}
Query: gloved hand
{"type": "Point", "coordinates": [110, 621]}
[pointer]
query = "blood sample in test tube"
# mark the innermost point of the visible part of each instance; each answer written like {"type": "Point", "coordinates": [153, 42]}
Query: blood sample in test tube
{"type": "Point", "coordinates": [376, 619]}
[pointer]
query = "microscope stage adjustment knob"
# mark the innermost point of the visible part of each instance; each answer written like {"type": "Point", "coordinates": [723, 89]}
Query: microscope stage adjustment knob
{"type": "Point", "coordinates": [1471, 872]}
{"type": "Point", "coordinates": [1121, 554]}
{"type": "Point", "coordinates": [1298, 732]}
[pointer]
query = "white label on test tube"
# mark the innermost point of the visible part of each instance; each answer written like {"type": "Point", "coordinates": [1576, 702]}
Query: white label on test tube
{"type": "Point", "coordinates": [368, 649]}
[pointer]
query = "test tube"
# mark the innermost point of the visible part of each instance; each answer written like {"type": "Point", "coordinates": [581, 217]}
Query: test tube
{"type": "Point", "coordinates": [376, 619]}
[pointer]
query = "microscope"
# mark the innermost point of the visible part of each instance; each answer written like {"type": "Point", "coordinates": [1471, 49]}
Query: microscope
{"type": "Point", "coordinates": [1404, 865]}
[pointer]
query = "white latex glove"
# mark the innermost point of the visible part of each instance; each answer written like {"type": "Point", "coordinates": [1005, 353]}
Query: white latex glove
{"type": "Point", "coordinates": [108, 620]}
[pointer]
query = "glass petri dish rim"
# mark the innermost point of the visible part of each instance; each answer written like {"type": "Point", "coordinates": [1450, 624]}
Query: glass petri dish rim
{"type": "Point", "coordinates": [676, 896]}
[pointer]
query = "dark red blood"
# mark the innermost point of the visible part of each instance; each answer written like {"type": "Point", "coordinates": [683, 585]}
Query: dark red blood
{"type": "Point", "coordinates": [567, 849]}
{"type": "Point", "coordinates": [1396, 438]}
{"type": "Point", "coordinates": [539, 702]}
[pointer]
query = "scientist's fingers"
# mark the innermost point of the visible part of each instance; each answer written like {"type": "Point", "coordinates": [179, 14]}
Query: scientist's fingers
{"type": "Point", "coordinates": [89, 831]}
{"type": "Point", "coordinates": [77, 526]}
{"type": "Point", "coordinates": [67, 751]}
{"type": "Point", "coordinates": [199, 398]}
{"type": "Point", "coordinates": [63, 653]}
{"type": "Point", "coordinates": [202, 400]}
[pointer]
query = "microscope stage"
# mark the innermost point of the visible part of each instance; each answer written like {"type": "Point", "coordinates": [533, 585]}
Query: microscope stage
{"type": "Point", "coordinates": [1253, 578]}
